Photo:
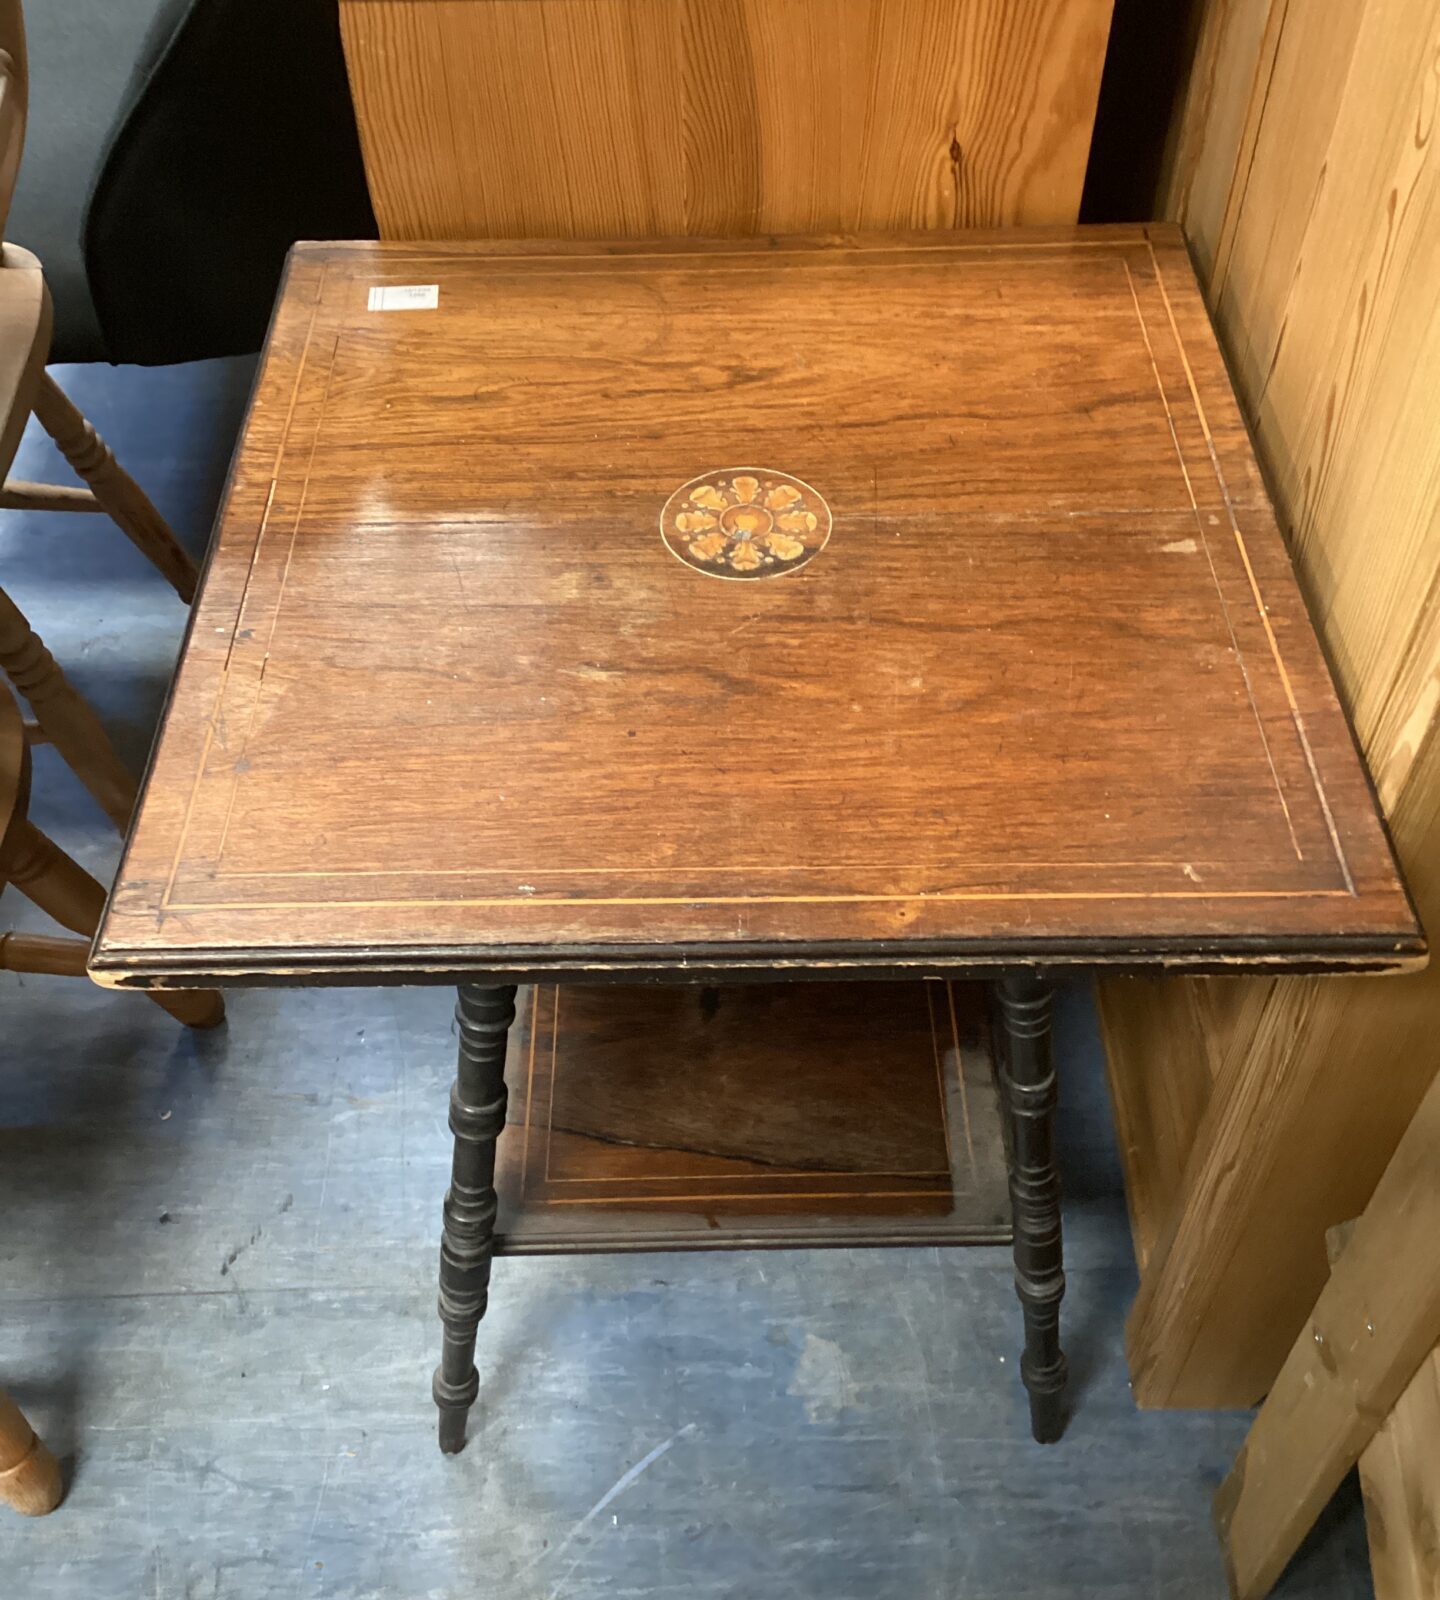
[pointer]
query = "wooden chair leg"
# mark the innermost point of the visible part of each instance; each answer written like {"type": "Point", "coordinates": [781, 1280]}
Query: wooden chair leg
{"type": "Point", "coordinates": [29, 1475]}
{"type": "Point", "coordinates": [196, 1008]}
{"type": "Point", "coordinates": [43, 953]}
{"type": "Point", "coordinates": [56, 882]}
{"type": "Point", "coordinates": [59, 885]}
{"type": "Point", "coordinates": [64, 717]}
{"type": "Point", "coordinates": [18, 495]}
{"type": "Point", "coordinates": [128, 504]}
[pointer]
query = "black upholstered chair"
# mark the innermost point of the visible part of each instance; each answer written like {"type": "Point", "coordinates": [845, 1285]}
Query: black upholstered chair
{"type": "Point", "coordinates": [176, 149]}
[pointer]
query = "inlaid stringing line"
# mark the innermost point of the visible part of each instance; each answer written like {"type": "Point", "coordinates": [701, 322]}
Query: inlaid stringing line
{"type": "Point", "coordinates": [913, 522]}
{"type": "Point", "coordinates": [753, 866]}
{"type": "Point", "coordinates": [462, 872]}
{"type": "Point", "coordinates": [550, 1087]}
{"type": "Point", "coordinates": [788, 1174]}
{"type": "Point", "coordinates": [832, 255]}
{"type": "Point", "coordinates": [935, 1048]}
{"type": "Point", "coordinates": [960, 1081]}
{"type": "Point", "coordinates": [959, 1078]}
{"type": "Point", "coordinates": [533, 1021]}
{"type": "Point", "coordinates": [777, 1173]}
{"type": "Point", "coordinates": [215, 710]}
{"type": "Point", "coordinates": [321, 282]}
{"type": "Point", "coordinates": [210, 725]}
{"type": "Point", "coordinates": [280, 595]}
{"type": "Point", "coordinates": [556, 1189]}
{"type": "Point", "coordinates": [852, 257]}
{"type": "Point", "coordinates": [1295, 713]}
{"type": "Point", "coordinates": [804, 1194]}
{"type": "Point", "coordinates": [1210, 561]}
{"type": "Point", "coordinates": [773, 900]}
{"type": "Point", "coordinates": [556, 991]}
{"type": "Point", "coordinates": [884, 260]}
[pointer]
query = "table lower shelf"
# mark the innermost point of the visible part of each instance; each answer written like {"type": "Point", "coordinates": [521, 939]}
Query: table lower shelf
{"type": "Point", "coordinates": [751, 1116]}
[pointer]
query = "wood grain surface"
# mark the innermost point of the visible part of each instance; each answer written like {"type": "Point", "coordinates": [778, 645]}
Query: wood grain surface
{"type": "Point", "coordinates": [649, 118]}
{"type": "Point", "coordinates": [693, 1117]}
{"type": "Point", "coordinates": [1400, 1478]}
{"type": "Point", "coordinates": [38, 868]}
{"type": "Point", "coordinates": [1307, 176]}
{"type": "Point", "coordinates": [1375, 1322]}
{"type": "Point", "coordinates": [1049, 691]}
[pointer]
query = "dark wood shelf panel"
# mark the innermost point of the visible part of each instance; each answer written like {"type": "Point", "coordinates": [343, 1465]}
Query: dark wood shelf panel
{"type": "Point", "coordinates": [749, 1116]}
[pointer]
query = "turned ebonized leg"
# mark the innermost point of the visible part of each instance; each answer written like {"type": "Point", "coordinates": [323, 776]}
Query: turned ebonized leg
{"type": "Point", "coordinates": [1027, 1078]}
{"type": "Point", "coordinates": [477, 1114]}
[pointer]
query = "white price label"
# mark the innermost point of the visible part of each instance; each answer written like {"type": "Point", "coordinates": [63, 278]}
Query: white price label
{"type": "Point", "coordinates": [404, 297]}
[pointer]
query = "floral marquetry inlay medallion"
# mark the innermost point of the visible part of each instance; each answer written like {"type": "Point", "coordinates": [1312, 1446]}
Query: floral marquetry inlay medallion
{"type": "Point", "coordinates": [745, 522]}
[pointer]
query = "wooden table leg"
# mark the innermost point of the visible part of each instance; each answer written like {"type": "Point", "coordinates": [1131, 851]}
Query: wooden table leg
{"type": "Point", "coordinates": [129, 506]}
{"type": "Point", "coordinates": [477, 1114]}
{"type": "Point", "coordinates": [29, 1474]}
{"type": "Point", "coordinates": [1027, 1082]}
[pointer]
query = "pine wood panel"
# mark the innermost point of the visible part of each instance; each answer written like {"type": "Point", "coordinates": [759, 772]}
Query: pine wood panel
{"type": "Point", "coordinates": [725, 1117]}
{"type": "Point", "coordinates": [1400, 1478]}
{"type": "Point", "coordinates": [1156, 1114]}
{"type": "Point", "coordinates": [1320, 1082]}
{"type": "Point", "coordinates": [450, 702]}
{"type": "Point", "coordinates": [1321, 224]}
{"type": "Point", "coordinates": [651, 118]}
{"type": "Point", "coordinates": [1214, 119]}
{"type": "Point", "coordinates": [1376, 1320]}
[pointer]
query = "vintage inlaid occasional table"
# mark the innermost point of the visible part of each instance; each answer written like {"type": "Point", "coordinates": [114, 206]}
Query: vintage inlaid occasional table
{"type": "Point", "coordinates": [784, 610]}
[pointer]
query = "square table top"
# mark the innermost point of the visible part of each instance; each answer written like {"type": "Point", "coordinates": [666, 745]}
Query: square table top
{"type": "Point", "coordinates": [859, 603]}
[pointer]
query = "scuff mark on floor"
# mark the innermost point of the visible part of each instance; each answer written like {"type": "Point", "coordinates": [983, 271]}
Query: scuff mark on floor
{"type": "Point", "coordinates": [236, 1251]}
{"type": "Point", "coordinates": [616, 1489]}
{"type": "Point", "coordinates": [822, 1380]}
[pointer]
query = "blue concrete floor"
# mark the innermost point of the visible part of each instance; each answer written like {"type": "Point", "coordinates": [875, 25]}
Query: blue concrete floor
{"type": "Point", "coordinates": [216, 1290]}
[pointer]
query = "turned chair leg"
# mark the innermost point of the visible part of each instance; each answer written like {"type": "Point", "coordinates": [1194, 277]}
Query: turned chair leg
{"type": "Point", "coordinates": [477, 1114]}
{"type": "Point", "coordinates": [29, 1474]}
{"type": "Point", "coordinates": [63, 717]}
{"type": "Point", "coordinates": [1028, 1088]}
{"type": "Point", "coordinates": [56, 882]}
{"type": "Point", "coordinates": [126, 502]}
{"type": "Point", "coordinates": [59, 885]}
